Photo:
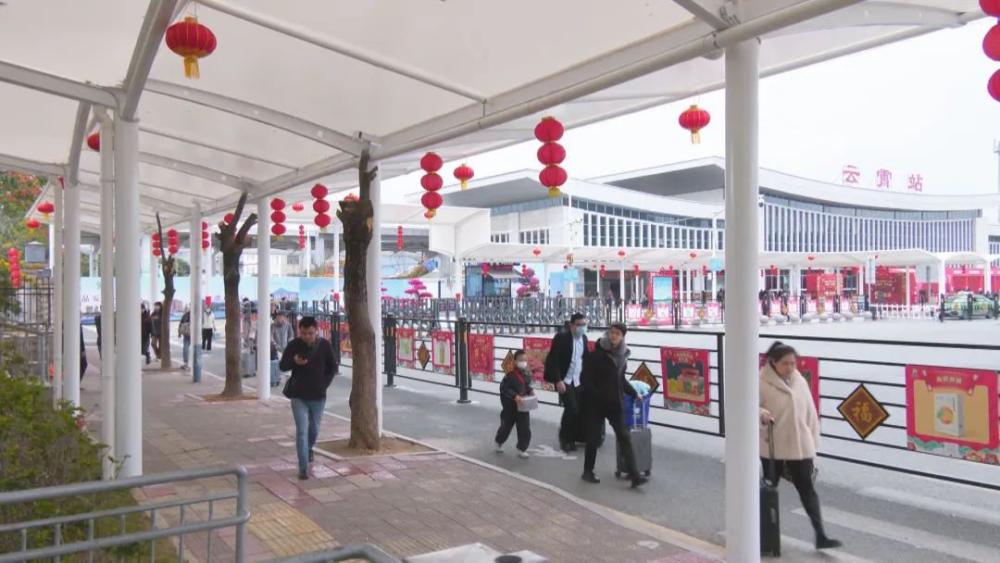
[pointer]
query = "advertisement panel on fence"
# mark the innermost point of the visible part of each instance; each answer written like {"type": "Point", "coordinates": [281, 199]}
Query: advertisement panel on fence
{"type": "Point", "coordinates": [686, 373]}
{"type": "Point", "coordinates": [633, 313]}
{"type": "Point", "coordinates": [713, 312]}
{"type": "Point", "coordinates": [809, 368]}
{"type": "Point", "coordinates": [688, 312]}
{"type": "Point", "coordinates": [345, 340]}
{"type": "Point", "coordinates": [953, 412]}
{"type": "Point", "coordinates": [442, 357]}
{"type": "Point", "coordinates": [662, 313]}
{"type": "Point", "coordinates": [535, 351]}
{"type": "Point", "coordinates": [481, 356]}
{"type": "Point", "coordinates": [405, 351]}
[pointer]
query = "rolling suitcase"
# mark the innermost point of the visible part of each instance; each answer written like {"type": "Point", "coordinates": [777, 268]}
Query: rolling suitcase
{"type": "Point", "coordinates": [642, 442]}
{"type": "Point", "coordinates": [770, 528]}
{"type": "Point", "coordinates": [275, 374]}
{"type": "Point", "coordinates": [248, 363]}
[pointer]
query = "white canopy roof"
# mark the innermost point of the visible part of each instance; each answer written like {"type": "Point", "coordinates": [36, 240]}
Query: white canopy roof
{"type": "Point", "coordinates": [296, 89]}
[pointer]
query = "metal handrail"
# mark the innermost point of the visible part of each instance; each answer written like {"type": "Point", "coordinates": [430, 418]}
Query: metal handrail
{"type": "Point", "coordinates": [239, 520]}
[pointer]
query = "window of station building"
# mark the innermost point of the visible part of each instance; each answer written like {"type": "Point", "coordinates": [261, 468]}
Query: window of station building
{"type": "Point", "coordinates": [501, 238]}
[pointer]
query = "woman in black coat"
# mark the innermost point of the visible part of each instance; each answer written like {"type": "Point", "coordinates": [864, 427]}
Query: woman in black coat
{"type": "Point", "coordinates": [146, 328]}
{"type": "Point", "coordinates": [604, 389]}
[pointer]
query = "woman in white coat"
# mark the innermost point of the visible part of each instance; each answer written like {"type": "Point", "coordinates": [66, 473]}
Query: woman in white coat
{"type": "Point", "coordinates": [785, 401]}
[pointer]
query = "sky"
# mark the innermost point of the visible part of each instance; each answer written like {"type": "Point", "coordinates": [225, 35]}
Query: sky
{"type": "Point", "coordinates": [917, 107]}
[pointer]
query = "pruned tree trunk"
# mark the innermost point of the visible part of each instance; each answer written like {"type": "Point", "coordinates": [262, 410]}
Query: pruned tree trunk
{"type": "Point", "coordinates": [168, 265]}
{"type": "Point", "coordinates": [356, 217]}
{"type": "Point", "coordinates": [232, 244]}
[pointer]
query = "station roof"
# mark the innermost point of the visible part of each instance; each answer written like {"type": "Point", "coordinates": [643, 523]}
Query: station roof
{"type": "Point", "coordinates": [295, 90]}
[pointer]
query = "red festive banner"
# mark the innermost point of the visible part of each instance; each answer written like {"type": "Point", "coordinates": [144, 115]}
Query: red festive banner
{"type": "Point", "coordinates": [481, 355]}
{"type": "Point", "coordinates": [535, 351]}
{"type": "Point", "coordinates": [405, 350]}
{"type": "Point", "coordinates": [953, 412]}
{"type": "Point", "coordinates": [686, 373]}
{"type": "Point", "coordinates": [809, 368]}
{"type": "Point", "coordinates": [442, 355]}
{"type": "Point", "coordinates": [345, 341]}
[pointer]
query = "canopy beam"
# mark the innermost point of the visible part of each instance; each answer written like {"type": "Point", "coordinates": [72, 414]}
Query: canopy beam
{"type": "Point", "coordinates": [31, 166]}
{"type": "Point", "coordinates": [261, 114]}
{"type": "Point", "coordinates": [705, 13]}
{"type": "Point", "coordinates": [197, 170]}
{"type": "Point", "coordinates": [55, 85]}
{"type": "Point", "coordinates": [210, 146]}
{"type": "Point", "coordinates": [76, 144]}
{"type": "Point", "coordinates": [154, 25]}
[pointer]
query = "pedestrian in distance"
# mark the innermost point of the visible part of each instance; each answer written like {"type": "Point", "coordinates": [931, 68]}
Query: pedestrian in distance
{"type": "Point", "coordinates": [604, 390]}
{"type": "Point", "coordinates": [207, 327]}
{"type": "Point", "coordinates": [310, 359]}
{"type": "Point", "coordinates": [145, 328]}
{"type": "Point", "coordinates": [184, 332]}
{"type": "Point", "coordinates": [787, 403]}
{"type": "Point", "coordinates": [515, 405]}
{"type": "Point", "coordinates": [155, 327]}
{"type": "Point", "coordinates": [563, 367]}
{"type": "Point", "coordinates": [281, 332]}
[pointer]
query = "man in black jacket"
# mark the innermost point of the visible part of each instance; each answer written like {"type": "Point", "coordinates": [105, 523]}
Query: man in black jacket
{"type": "Point", "coordinates": [563, 366]}
{"type": "Point", "coordinates": [310, 359]}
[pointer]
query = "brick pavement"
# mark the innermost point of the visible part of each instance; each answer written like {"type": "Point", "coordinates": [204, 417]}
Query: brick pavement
{"type": "Point", "coordinates": [405, 504]}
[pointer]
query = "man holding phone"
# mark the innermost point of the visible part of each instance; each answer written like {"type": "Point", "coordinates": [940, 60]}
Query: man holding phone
{"type": "Point", "coordinates": [310, 359]}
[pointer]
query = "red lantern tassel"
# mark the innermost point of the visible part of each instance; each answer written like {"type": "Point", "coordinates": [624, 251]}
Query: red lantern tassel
{"type": "Point", "coordinates": [191, 68]}
{"type": "Point", "coordinates": [696, 137]}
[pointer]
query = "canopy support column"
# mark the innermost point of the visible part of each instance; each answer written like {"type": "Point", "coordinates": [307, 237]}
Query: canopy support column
{"type": "Point", "coordinates": [128, 369]}
{"type": "Point", "coordinates": [987, 281]}
{"type": "Point", "coordinates": [942, 278]}
{"type": "Point", "coordinates": [741, 325]}
{"type": "Point", "coordinates": [71, 295]}
{"type": "Point", "coordinates": [263, 301]}
{"type": "Point", "coordinates": [58, 297]}
{"type": "Point", "coordinates": [621, 283]}
{"type": "Point", "coordinates": [196, 302]}
{"type": "Point", "coordinates": [154, 277]}
{"type": "Point", "coordinates": [337, 229]}
{"type": "Point", "coordinates": [107, 327]}
{"type": "Point", "coordinates": [373, 284]}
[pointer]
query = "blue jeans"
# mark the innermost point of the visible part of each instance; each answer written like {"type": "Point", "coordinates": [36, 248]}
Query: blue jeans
{"type": "Point", "coordinates": [307, 415]}
{"type": "Point", "coordinates": [187, 348]}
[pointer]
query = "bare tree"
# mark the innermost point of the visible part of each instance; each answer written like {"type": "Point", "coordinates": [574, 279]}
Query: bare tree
{"type": "Point", "coordinates": [168, 265]}
{"type": "Point", "coordinates": [356, 216]}
{"type": "Point", "coordinates": [232, 243]}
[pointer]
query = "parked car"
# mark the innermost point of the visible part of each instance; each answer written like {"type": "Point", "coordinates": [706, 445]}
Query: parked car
{"type": "Point", "coordinates": [956, 306]}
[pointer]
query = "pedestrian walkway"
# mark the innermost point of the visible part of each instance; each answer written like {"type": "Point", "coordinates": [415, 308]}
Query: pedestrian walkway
{"type": "Point", "coordinates": [405, 504]}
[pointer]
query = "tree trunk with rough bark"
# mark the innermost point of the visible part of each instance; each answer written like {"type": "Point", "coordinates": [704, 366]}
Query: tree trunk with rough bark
{"type": "Point", "coordinates": [168, 265]}
{"type": "Point", "coordinates": [356, 217]}
{"type": "Point", "coordinates": [232, 243]}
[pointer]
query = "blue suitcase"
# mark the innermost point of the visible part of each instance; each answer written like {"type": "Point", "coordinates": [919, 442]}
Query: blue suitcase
{"type": "Point", "coordinates": [275, 374]}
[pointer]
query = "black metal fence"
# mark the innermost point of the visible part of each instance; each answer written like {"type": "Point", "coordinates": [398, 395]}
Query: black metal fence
{"type": "Point", "coordinates": [844, 365]}
{"type": "Point", "coordinates": [26, 328]}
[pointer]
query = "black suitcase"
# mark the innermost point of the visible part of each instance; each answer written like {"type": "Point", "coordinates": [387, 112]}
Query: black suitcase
{"type": "Point", "coordinates": [770, 526]}
{"type": "Point", "coordinates": [642, 446]}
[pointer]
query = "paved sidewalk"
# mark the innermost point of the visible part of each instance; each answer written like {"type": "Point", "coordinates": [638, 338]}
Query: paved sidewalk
{"type": "Point", "coordinates": [405, 504]}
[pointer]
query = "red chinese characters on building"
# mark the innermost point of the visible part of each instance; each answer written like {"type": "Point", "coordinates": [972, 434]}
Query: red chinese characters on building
{"type": "Point", "coordinates": [883, 178]}
{"type": "Point", "coordinates": [916, 183]}
{"type": "Point", "coordinates": [851, 175]}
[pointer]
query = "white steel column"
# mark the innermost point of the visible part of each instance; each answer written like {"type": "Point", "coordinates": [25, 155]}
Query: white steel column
{"type": "Point", "coordinates": [373, 285]}
{"type": "Point", "coordinates": [71, 295]}
{"type": "Point", "coordinates": [107, 327]}
{"type": "Point", "coordinates": [90, 262]}
{"type": "Point", "coordinates": [621, 284]}
{"type": "Point", "coordinates": [58, 296]}
{"type": "Point", "coordinates": [154, 270]}
{"type": "Point", "coordinates": [128, 369]}
{"type": "Point", "coordinates": [337, 229]}
{"type": "Point", "coordinates": [196, 300]}
{"type": "Point", "coordinates": [741, 326]}
{"type": "Point", "coordinates": [942, 278]}
{"type": "Point", "coordinates": [263, 300]}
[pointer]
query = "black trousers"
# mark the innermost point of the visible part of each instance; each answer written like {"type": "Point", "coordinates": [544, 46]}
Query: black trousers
{"type": "Point", "coordinates": [801, 472]}
{"type": "Point", "coordinates": [206, 338]}
{"type": "Point", "coordinates": [511, 417]}
{"type": "Point", "coordinates": [571, 419]}
{"type": "Point", "coordinates": [596, 415]}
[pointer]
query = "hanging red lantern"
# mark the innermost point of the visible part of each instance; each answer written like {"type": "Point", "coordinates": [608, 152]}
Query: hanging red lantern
{"type": "Point", "coordinates": [174, 249]}
{"type": "Point", "coordinates": [463, 174]}
{"type": "Point", "coordinates": [277, 204]}
{"type": "Point", "coordinates": [549, 130]}
{"type": "Point", "coordinates": [704, 270]}
{"type": "Point", "coordinates": [229, 218]}
{"type": "Point", "coordinates": [635, 269]}
{"type": "Point", "coordinates": [431, 162]}
{"type": "Point", "coordinates": [991, 43]}
{"type": "Point", "coordinates": [46, 208]}
{"type": "Point", "coordinates": [277, 229]}
{"type": "Point", "coordinates": [192, 41]}
{"type": "Point", "coordinates": [431, 201]}
{"type": "Point", "coordinates": [551, 154]}
{"type": "Point", "coordinates": [431, 182]}
{"type": "Point", "coordinates": [204, 225]}
{"type": "Point", "coordinates": [537, 252]}
{"type": "Point", "coordinates": [694, 119]}
{"type": "Point", "coordinates": [603, 270]}
{"type": "Point", "coordinates": [399, 237]}
{"type": "Point", "coordinates": [321, 206]}
{"type": "Point", "coordinates": [322, 220]}
{"type": "Point", "coordinates": [32, 224]}
{"type": "Point", "coordinates": [172, 234]}
{"type": "Point", "coordinates": [693, 255]}
{"type": "Point", "coordinates": [319, 191]}
{"type": "Point", "coordinates": [351, 197]}
{"type": "Point", "coordinates": [621, 253]}
{"type": "Point", "coordinates": [458, 297]}
{"type": "Point", "coordinates": [993, 86]}
{"type": "Point", "coordinates": [156, 252]}
{"type": "Point", "coordinates": [811, 257]}
{"type": "Point", "coordinates": [94, 142]}
{"type": "Point", "coordinates": [553, 177]}
{"type": "Point", "coordinates": [302, 237]}
{"type": "Point", "coordinates": [297, 207]}
{"type": "Point", "coordinates": [486, 269]}
{"type": "Point", "coordinates": [205, 244]}
{"type": "Point", "coordinates": [990, 7]}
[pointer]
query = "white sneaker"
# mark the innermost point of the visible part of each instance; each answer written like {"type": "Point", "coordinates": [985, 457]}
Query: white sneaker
{"type": "Point", "coordinates": [523, 454]}
{"type": "Point", "coordinates": [499, 448]}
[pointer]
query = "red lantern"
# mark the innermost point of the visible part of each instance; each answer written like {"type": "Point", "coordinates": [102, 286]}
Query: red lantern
{"type": "Point", "coordinates": [94, 141]}
{"type": "Point", "coordinates": [990, 7]}
{"type": "Point", "coordinates": [694, 119]}
{"type": "Point", "coordinates": [693, 255]}
{"type": "Point", "coordinates": [319, 191]}
{"type": "Point", "coordinates": [993, 86]}
{"type": "Point", "coordinates": [192, 41]}
{"type": "Point", "coordinates": [297, 207]}
{"type": "Point", "coordinates": [458, 297]}
{"type": "Point", "coordinates": [431, 162]}
{"type": "Point", "coordinates": [156, 252]}
{"type": "Point", "coordinates": [322, 220]}
{"type": "Point", "coordinates": [277, 229]}
{"type": "Point", "coordinates": [704, 270]}
{"type": "Point", "coordinates": [399, 237]}
{"type": "Point", "coordinates": [350, 197]}
{"type": "Point", "coordinates": [431, 182]}
{"type": "Point", "coordinates": [45, 208]}
{"type": "Point", "coordinates": [991, 43]}
{"type": "Point", "coordinates": [432, 201]}
{"type": "Point", "coordinates": [603, 270]}
{"type": "Point", "coordinates": [486, 269]}
{"type": "Point", "coordinates": [551, 153]}
{"type": "Point", "coordinates": [621, 253]}
{"type": "Point", "coordinates": [229, 218]}
{"type": "Point", "coordinates": [553, 177]}
{"type": "Point", "coordinates": [321, 206]}
{"type": "Point", "coordinates": [171, 234]}
{"type": "Point", "coordinates": [32, 224]}
{"type": "Point", "coordinates": [205, 244]}
{"type": "Point", "coordinates": [463, 174]}
{"type": "Point", "coordinates": [173, 248]}
{"type": "Point", "coordinates": [635, 269]}
{"type": "Point", "coordinates": [811, 257]}
{"type": "Point", "coordinates": [278, 216]}
{"type": "Point", "coordinates": [549, 130]}
{"type": "Point", "coordinates": [204, 225]}
{"type": "Point", "coordinates": [537, 252]}
{"type": "Point", "coordinates": [277, 204]}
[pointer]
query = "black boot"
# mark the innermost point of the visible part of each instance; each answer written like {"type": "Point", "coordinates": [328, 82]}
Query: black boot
{"type": "Point", "coordinates": [589, 477]}
{"type": "Point", "coordinates": [639, 480]}
{"type": "Point", "coordinates": [823, 542]}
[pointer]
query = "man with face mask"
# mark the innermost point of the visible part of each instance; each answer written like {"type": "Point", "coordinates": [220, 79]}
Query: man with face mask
{"type": "Point", "coordinates": [563, 366]}
{"type": "Point", "coordinates": [514, 392]}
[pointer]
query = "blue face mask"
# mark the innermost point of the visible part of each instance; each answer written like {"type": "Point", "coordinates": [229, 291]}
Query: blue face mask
{"type": "Point", "coordinates": [581, 330]}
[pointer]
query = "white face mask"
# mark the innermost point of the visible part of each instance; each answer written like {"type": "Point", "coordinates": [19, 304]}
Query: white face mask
{"type": "Point", "coordinates": [522, 364]}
